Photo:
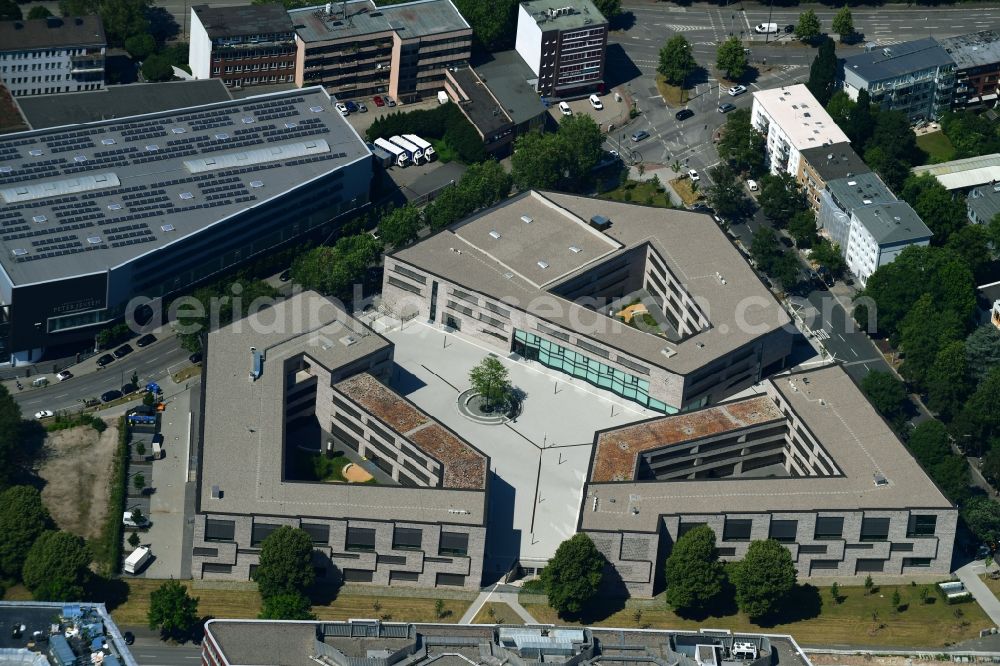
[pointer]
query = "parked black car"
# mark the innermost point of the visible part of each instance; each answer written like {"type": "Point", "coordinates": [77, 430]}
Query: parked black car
{"type": "Point", "coordinates": [129, 637]}
{"type": "Point", "coordinates": [786, 241]}
{"type": "Point", "coordinates": [108, 396]}
{"type": "Point", "coordinates": [124, 350]}
{"type": "Point", "coordinates": [104, 360]}
{"type": "Point", "coordinates": [145, 340]}
{"type": "Point", "coordinates": [195, 357]}
{"type": "Point", "coordinates": [129, 388]}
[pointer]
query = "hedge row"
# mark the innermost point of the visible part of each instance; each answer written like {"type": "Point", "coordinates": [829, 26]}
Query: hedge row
{"type": "Point", "coordinates": [443, 122]}
{"type": "Point", "coordinates": [107, 549]}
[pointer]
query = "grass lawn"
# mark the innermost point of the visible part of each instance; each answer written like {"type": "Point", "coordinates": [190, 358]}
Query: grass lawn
{"type": "Point", "coordinates": [502, 614]}
{"type": "Point", "coordinates": [815, 619]}
{"type": "Point", "coordinates": [689, 195]}
{"type": "Point", "coordinates": [318, 467]}
{"type": "Point", "coordinates": [641, 192]}
{"type": "Point", "coordinates": [187, 373]}
{"type": "Point", "coordinates": [937, 146]}
{"type": "Point", "coordinates": [672, 95]}
{"type": "Point", "coordinates": [994, 585]}
{"type": "Point", "coordinates": [445, 153]}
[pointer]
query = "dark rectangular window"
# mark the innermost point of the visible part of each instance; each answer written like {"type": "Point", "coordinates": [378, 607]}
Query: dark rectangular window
{"type": "Point", "coordinates": [209, 567]}
{"type": "Point", "coordinates": [403, 577]}
{"type": "Point", "coordinates": [737, 529]}
{"type": "Point", "coordinates": [405, 286]}
{"type": "Point", "coordinates": [859, 546]}
{"type": "Point", "coordinates": [825, 565]}
{"type": "Point", "coordinates": [319, 534]}
{"type": "Point", "coordinates": [358, 430]}
{"type": "Point", "coordinates": [653, 259]}
{"type": "Point", "coordinates": [496, 309]}
{"type": "Point", "coordinates": [260, 532]}
{"type": "Point", "coordinates": [206, 552]}
{"type": "Point", "coordinates": [345, 438]}
{"type": "Point", "coordinates": [813, 549]}
{"type": "Point", "coordinates": [219, 530]}
{"type": "Point", "coordinates": [343, 406]}
{"type": "Point", "coordinates": [491, 321]}
{"type": "Point", "coordinates": [593, 349]}
{"type": "Point", "coordinates": [381, 432]}
{"type": "Point", "coordinates": [921, 526]}
{"type": "Point", "coordinates": [559, 335]}
{"type": "Point", "coordinates": [407, 538]}
{"type": "Point", "coordinates": [829, 527]}
{"type": "Point", "coordinates": [684, 528]}
{"type": "Point", "coordinates": [784, 530]}
{"type": "Point", "coordinates": [869, 566]}
{"type": "Point", "coordinates": [726, 552]}
{"type": "Point", "coordinates": [450, 579]}
{"type": "Point", "coordinates": [632, 366]}
{"type": "Point", "coordinates": [413, 275]}
{"type": "Point", "coordinates": [346, 556]}
{"type": "Point", "coordinates": [357, 575]}
{"type": "Point", "coordinates": [391, 559]}
{"type": "Point", "coordinates": [453, 543]}
{"type": "Point", "coordinates": [464, 296]}
{"type": "Point", "coordinates": [874, 529]}
{"type": "Point", "coordinates": [361, 539]}
{"type": "Point", "coordinates": [916, 561]}
{"type": "Point", "coordinates": [439, 560]}
{"type": "Point", "coordinates": [460, 308]}
{"type": "Point", "coordinates": [901, 548]}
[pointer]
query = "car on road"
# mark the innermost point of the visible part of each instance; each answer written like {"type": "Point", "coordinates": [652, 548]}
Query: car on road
{"type": "Point", "coordinates": [145, 340]}
{"type": "Point", "coordinates": [362, 108]}
{"type": "Point", "coordinates": [129, 637]}
{"type": "Point", "coordinates": [351, 106]}
{"type": "Point", "coordinates": [766, 28]}
{"type": "Point", "coordinates": [124, 350]}
{"type": "Point", "coordinates": [827, 276]}
{"type": "Point", "coordinates": [43, 414]}
{"type": "Point", "coordinates": [104, 360]}
{"type": "Point", "coordinates": [108, 396]}
{"type": "Point", "coordinates": [752, 185]}
{"type": "Point", "coordinates": [596, 102]}
{"type": "Point", "coordinates": [564, 109]}
{"type": "Point", "coordinates": [640, 135]}
{"type": "Point", "coordinates": [390, 102]}
{"type": "Point", "coordinates": [737, 90]}
{"type": "Point", "coordinates": [683, 114]}
{"type": "Point", "coordinates": [378, 100]}
{"type": "Point", "coordinates": [693, 175]}
{"type": "Point", "coordinates": [726, 107]}
{"type": "Point", "coordinates": [614, 153]}
{"type": "Point", "coordinates": [790, 28]}
{"type": "Point", "coordinates": [786, 241]}
{"type": "Point", "coordinates": [64, 375]}
{"type": "Point", "coordinates": [285, 276]}
{"type": "Point", "coordinates": [343, 109]}
{"type": "Point", "coordinates": [195, 357]}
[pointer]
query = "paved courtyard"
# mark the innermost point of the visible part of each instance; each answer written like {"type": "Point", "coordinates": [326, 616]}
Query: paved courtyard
{"type": "Point", "coordinates": [539, 460]}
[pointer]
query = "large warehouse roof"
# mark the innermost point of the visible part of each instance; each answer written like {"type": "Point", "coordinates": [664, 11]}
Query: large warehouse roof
{"type": "Point", "coordinates": [85, 198]}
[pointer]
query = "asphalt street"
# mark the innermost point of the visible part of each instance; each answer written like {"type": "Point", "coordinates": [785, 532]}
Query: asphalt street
{"type": "Point", "coordinates": [149, 650]}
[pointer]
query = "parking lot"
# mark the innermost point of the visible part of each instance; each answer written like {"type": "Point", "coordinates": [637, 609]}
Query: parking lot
{"type": "Point", "coordinates": [613, 114]}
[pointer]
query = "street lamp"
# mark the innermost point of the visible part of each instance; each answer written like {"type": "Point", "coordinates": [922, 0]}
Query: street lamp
{"type": "Point", "coordinates": [767, 33]}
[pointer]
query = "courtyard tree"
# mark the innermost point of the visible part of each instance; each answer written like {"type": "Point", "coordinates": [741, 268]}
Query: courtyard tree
{"type": "Point", "coordinates": [731, 59]}
{"type": "Point", "coordinates": [807, 28]}
{"type": "Point", "coordinates": [285, 563]}
{"type": "Point", "coordinates": [843, 23]}
{"type": "Point", "coordinates": [693, 571]}
{"type": "Point", "coordinates": [57, 567]}
{"type": "Point", "coordinates": [23, 518]}
{"type": "Point", "coordinates": [764, 578]}
{"type": "Point", "coordinates": [925, 331]}
{"type": "Point", "coordinates": [140, 46]}
{"type": "Point", "coordinates": [573, 576]}
{"type": "Point", "coordinates": [676, 60]}
{"type": "Point", "coordinates": [172, 610]}
{"type": "Point", "coordinates": [490, 380]}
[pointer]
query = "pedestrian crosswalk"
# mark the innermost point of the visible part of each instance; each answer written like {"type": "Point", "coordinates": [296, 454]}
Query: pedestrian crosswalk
{"type": "Point", "coordinates": [687, 28]}
{"type": "Point", "coordinates": [821, 334]}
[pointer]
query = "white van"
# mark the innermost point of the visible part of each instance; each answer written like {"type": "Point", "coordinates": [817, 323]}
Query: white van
{"type": "Point", "coordinates": [564, 107]}
{"type": "Point", "coordinates": [766, 28]}
{"type": "Point", "coordinates": [136, 559]}
{"type": "Point", "coordinates": [595, 102]}
{"type": "Point", "coordinates": [129, 521]}
{"type": "Point", "coordinates": [752, 185]}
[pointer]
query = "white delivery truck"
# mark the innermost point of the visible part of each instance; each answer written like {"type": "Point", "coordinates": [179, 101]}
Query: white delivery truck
{"type": "Point", "coordinates": [766, 28]}
{"type": "Point", "coordinates": [137, 559]}
{"type": "Point", "coordinates": [413, 151]}
{"type": "Point", "coordinates": [427, 148]}
{"type": "Point", "coordinates": [399, 156]}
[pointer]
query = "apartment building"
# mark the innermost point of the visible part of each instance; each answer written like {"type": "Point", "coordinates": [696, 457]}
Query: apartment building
{"type": "Point", "coordinates": [564, 42]}
{"type": "Point", "coordinates": [983, 204]}
{"type": "Point", "coordinates": [782, 464]}
{"type": "Point", "coordinates": [413, 510]}
{"type": "Point", "coordinates": [977, 68]}
{"type": "Point", "coordinates": [793, 121]}
{"type": "Point", "coordinates": [916, 78]}
{"type": "Point", "coordinates": [841, 196]}
{"type": "Point", "coordinates": [245, 45]}
{"type": "Point", "coordinates": [546, 276]}
{"type": "Point", "coordinates": [879, 233]}
{"type": "Point", "coordinates": [358, 49]}
{"type": "Point", "coordinates": [52, 55]}
{"type": "Point", "coordinates": [825, 163]}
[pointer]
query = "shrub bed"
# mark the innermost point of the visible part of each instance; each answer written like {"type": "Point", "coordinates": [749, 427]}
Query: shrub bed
{"type": "Point", "coordinates": [107, 549]}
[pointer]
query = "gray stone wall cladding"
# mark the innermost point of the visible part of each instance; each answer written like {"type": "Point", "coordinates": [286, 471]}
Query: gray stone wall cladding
{"type": "Point", "coordinates": [427, 563]}
{"type": "Point", "coordinates": [634, 556]}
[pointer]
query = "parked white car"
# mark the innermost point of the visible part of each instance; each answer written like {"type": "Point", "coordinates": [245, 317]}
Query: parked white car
{"type": "Point", "coordinates": [693, 175]}
{"type": "Point", "coordinates": [596, 102]}
{"type": "Point", "coordinates": [737, 90]}
{"type": "Point", "coordinates": [343, 109]}
{"type": "Point", "coordinates": [64, 375]}
{"type": "Point", "coordinates": [43, 414]}
{"type": "Point", "coordinates": [564, 107]}
{"type": "Point", "coordinates": [752, 185]}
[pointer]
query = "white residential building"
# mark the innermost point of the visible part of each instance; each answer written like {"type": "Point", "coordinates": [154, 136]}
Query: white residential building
{"type": "Point", "coordinates": [793, 121]}
{"type": "Point", "coordinates": [879, 232]}
{"type": "Point", "coordinates": [52, 55]}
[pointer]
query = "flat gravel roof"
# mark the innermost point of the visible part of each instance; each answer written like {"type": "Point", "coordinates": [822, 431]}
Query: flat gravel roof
{"type": "Point", "coordinates": [420, 18]}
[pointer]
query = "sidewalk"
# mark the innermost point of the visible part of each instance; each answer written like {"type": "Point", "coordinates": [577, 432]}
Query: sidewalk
{"type": "Point", "coordinates": [508, 598]}
{"type": "Point", "coordinates": [969, 575]}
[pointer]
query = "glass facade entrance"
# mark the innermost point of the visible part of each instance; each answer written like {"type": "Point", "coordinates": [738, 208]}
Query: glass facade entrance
{"type": "Point", "coordinates": [578, 365]}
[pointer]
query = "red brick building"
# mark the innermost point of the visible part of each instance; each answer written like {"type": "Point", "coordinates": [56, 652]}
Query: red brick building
{"type": "Point", "coordinates": [245, 45]}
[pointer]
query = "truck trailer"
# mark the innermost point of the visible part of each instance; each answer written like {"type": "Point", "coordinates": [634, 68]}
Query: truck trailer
{"type": "Point", "coordinates": [137, 559]}
{"type": "Point", "coordinates": [427, 148]}
{"type": "Point", "coordinates": [413, 151]}
{"type": "Point", "coordinates": [399, 156]}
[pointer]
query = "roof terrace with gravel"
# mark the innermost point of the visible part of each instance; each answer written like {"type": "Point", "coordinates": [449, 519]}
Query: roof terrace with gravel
{"type": "Point", "coordinates": [464, 466]}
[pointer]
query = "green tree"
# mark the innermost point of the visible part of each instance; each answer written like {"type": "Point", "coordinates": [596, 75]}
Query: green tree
{"type": "Point", "coordinates": [140, 46]}
{"type": "Point", "coordinates": [493, 23]}
{"type": "Point", "coordinates": [991, 466]}
{"type": "Point", "coordinates": [77, 7]}
{"type": "Point", "coordinates": [808, 28]}
{"type": "Point", "coordinates": [124, 18]}
{"type": "Point", "coordinates": [490, 380]}
{"type": "Point", "coordinates": [742, 146]}
{"type": "Point", "coordinates": [835, 592]}
{"type": "Point", "coordinates": [970, 133]}
{"type": "Point", "coordinates": [731, 59]}
{"type": "Point", "coordinates": [892, 148]}
{"type": "Point", "coordinates": [23, 518]}
{"type": "Point", "coordinates": [764, 578]}
{"type": "Point", "coordinates": [542, 161]}
{"type": "Point", "coordinates": [56, 568]}
{"type": "Point", "coordinates": [781, 198]}
{"type": "Point", "coordinates": [333, 271]}
{"type": "Point", "coordinates": [980, 418]}
{"type": "Point", "coordinates": [802, 228]}
{"type": "Point", "coordinates": [897, 600]}
{"type": "Point", "coordinates": [608, 8]}
{"type": "Point", "coordinates": [947, 380]}
{"type": "Point", "coordinates": [172, 610]}
{"type": "Point", "coordinates": [11, 427]}
{"type": "Point", "coordinates": [972, 243]}
{"type": "Point", "coordinates": [400, 226]}
{"type": "Point", "coordinates": [843, 23]}
{"type": "Point", "coordinates": [676, 60]}
{"type": "Point", "coordinates": [982, 351]}
{"type": "Point", "coordinates": [861, 122]}
{"type": "Point", "coordinates": [839, 107]}
{"type": "Point", "coordinates": [573, 576]}
{"type": "Point", "coordinates": [581, 139]}
{"type": "Point", "coordinates": [39, 12]}
{"type": "Point", "coordinates": [926, 330]}
{"type": "Point", "coordinates": [536, 162]}
{"type": "Point", "coordinates": [285, 563]}
{"type": "Point", "coordinates": [764, 249]}
{"type": "Point", "coordinates": [943, 214]}
{"type": "Point", "coordinates": [993, 229]}
{"type": "Point", "coordinates": [828, 254]}
{"type": "Point", "coordinates": [727, 194]}
{"type": "Point", "coordinates": [139, 482]}
{"type": "Point", "coordinates": [9, 11]}
{"type": "Point", "coordinates": [886, 393]}
{"type": "Point", "coordinates": [286, 606]}
{"type": "Point", "coordinates": [693, 571]}
{"type": "Point", "coordinates": [929, 443]}
{"type": "Point", "coordinates": [157, 68]}
{"type": "Point", "coordinates": [786, 270]}
{"type": "Point", "coordinates": [134, 540]}
{"type": "Point", "coordinates": [822, 81]}
{"type": "Point", "coordinates": [982, 515]}
{"type": "Point", "coordinates": [953, 477]}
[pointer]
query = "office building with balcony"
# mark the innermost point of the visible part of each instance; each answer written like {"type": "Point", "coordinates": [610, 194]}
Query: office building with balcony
{"type": "Point", "coordinates": [806, 461]}
{"type": "Point", "coordinates": [916, 78]}
{"type": "Point", "coordinates": [300, 383]}
{"type": "Point", "coordinates": [564, 42]}
{"type": "Point", "coordinates": [977, 68]}
{"type": "Point", "coordinates": [245, 45]}
{"type": "Point", "coordinates": [52, 55]}
{"type": "Point", "coordinates": [96, 214]}
{"type": "Point", "coordinates": [792, 121]}
{"type": "Point", "coordinates": [825, 163]}
{"type": "Point", "coordinates": [358, 49]}
{"type": "Point", "coordinates": [554, 279]}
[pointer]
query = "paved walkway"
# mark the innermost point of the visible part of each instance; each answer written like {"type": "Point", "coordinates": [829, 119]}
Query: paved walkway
{"type": "Point", "coordinates": [969, 575]}
{"type": "Point", "coordinates": [509, 598]}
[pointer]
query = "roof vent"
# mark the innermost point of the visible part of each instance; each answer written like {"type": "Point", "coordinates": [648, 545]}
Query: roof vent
{"type": "Point", "coordinates": [495, 235]}
{"type": "Point", "coordinates": [108, 142]}
{"type": "Point", "coordinates": [94, 240]}
{"type": "Point", "coordinates": [20, 252]}
{"type": "Point", "coordinates": [508, 276]}
{"type": "Point", "coordinates": [40, 218]}
{"type": "Point", "coordinates": [543, 264]}
{"type": "Point", "coordinates": [668, 352]}
{"type": "Point", "coordinates": [600, 222]}
{"type": "Point", "coordinates": [316, 109]}
{"type": "Point", "coordinates": [221, 136]}
{"type": "Point", "coordinates": [348, 340]}
{"type": "Point", "coordinates": [216, 492]}
{"type": "Point", "coordinates": [866, 202]}
{"type": "Point", "coordinates": [880, 480]}
{"type": "Point", "coordinates": [290, 125]}
{"type": "Point", "coordinates": [256, 183]}
{"type": "Point", "coordinates": [166, 227]}
{"type": "Point", "coordinates": [178, 130]}
{"type": "Point", "coordinates": [152, 147]}
{"type": "Point", "coordinates": [248, 120]}
{"type": "Point", "coordinates": [6, 169]}
{"type": "Point", "coordinates": [574, 249]}
{"type": "Point", "coordinates": [186, 196]}
{"type": "Point", "coordinates": [80, 158]}
{"type": "Point", "coordinates": [526, 219]}
{"type": "Point", "coordinates": [35, 152]}
{"type": "Point", "coordinates": [852, 183]}
{"type": "Point", "coordinates": [114, 206]}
